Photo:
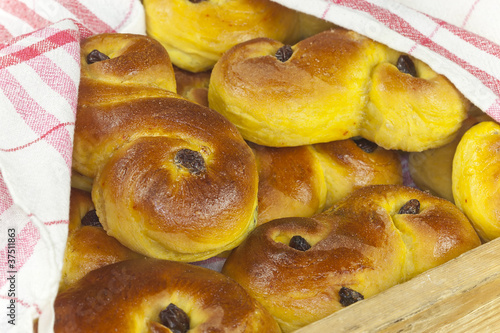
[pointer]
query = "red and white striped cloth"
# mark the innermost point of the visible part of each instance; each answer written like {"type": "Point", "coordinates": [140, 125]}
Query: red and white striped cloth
{"type": "Point", "coordinates": [39, 74]}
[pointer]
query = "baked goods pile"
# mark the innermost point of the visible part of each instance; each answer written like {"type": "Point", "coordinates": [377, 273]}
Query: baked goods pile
{"type": "Point", "coordinates": [268, 137]}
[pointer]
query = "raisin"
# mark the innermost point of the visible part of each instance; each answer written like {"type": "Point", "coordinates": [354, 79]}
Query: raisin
{"type": "Point", "coordinates": [406, 65]}
{"type": "Point", "coordinates": [91, 219]}
{"type": "Point", "coordinates": [96, 56]}
{"type": "Point", "coordinates": [365, 145]}
{"type": "Point", "coordinates": [191, 160]}
{"type": "Point", "coordinates": [411, 207]}
{"type": "Point", "coordinates": [175, 319]}
{"type": "Point", "coordinates": [299, 243]}
{"type": "Point", "coordinates": [196, 1]}
{"type": "Point", "coordinates": [284, 53]}
{"type": "Point", "coordinates": [349, 296]}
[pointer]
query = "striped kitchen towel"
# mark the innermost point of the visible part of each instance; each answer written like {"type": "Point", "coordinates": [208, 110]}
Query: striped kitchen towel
{"type": "Point", "coordinates": [39, 75]}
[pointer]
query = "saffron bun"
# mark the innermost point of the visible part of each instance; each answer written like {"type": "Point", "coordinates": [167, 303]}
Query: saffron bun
{"type": "Point", "coordinates": [148, 295]}
{"type": "Point", "coordinates": [192, 86]}
{"type": "Point", "coordinates": [475, 177]}
{"type": "Point", "coordinates": [88, 247]}
{"type": "Point", "coordinates": [303, 269]}
{"type": "Point", "coordinates": [197, 33]}
{"type": "Point", "coordinates": [339, 84]}
{"type": "Point", "coordinates": [303, 181]}
{"type": "Point", "coordinates": [310, 25]}
{"type": "Point", "coordinates": [431, 169]}
{"type": "Point", "coordinates": [172, 179]}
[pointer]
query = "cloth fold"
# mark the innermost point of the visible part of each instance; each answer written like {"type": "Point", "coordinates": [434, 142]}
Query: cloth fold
{"type": "Point", "coordinates": [39, 75]}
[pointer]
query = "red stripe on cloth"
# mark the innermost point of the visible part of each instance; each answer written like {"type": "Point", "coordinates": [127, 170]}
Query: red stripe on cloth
{"type": "Point", "coordinates": [469, 13]}
{"type": "Point", "coordinates": [477, 41]}
{"type": "Point", "coordinates": [127, 16]}
{"type": "Point", "coordinates": [494, 110]}
{"type": "Point", "coordinates": [55, 128]}
{"type": "Point", "coordinates": [401, 26]}
{"type": "Point", "coordinates": [5, 198]}
{"type": "Point", "coordinates": [25, 242]}
{"type": "Point", "coordinates": [57, 79]}
{"type": "Point", "coordinates": [32, 51]}
{"type": "Point", "coordinates": [23, 12]}
{"type": "Point", "coordinates": [4, 34]}
{"type": "Point", "coordinates": [37, 118]}
{"type": "Point", "coordinates": [56, 222]}
{"type": "Point", "coordinates": [23, 303]}
{"type": "Point", "coordinates": [87, 17]}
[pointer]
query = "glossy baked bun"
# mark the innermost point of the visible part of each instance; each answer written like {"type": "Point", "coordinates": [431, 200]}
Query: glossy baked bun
{"type": "Point", "coordinates": [192, 86]}
{"type": "Point", "coordinates": [172, 179]}
{"type": "Point", "coordinates": [303, 269]}
{"type": "Point", "coordinates": [88, 247]}
{"type": "Point", "coordinates": [332, 86]}
{"type": "Point", "coordinates": [158, 296]}
{"type": "Point", "coordinates": [310, 25]}
{"type": "Point", "coordinates": [431, 169]}
{"type": "Point", "coordinates": [302, 181]}
{"type": "Point", "coordinates": [196, 32]}
{"type": "Point", "coordinates": [475, 177]}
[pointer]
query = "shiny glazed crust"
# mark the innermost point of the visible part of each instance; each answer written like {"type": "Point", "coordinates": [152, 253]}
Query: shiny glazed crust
{"type": "Point", "coordinates": [362, 243]}
{"type": "Point", "coordinates": [128, 296]}
{"type": "Point", "coordinates": [431, 169]}
{"type": "Point", "coordinates": [173, 179]}
{"type": "Point", "coordinates": [303, 181]}
{"type": "Point", "coordinates": [87, 247]}
{"type": "Point", "coordinates": [337, 84]}
{"type": "Point", "coordinates": [475, 178]}
{"type": "Point", "coordinates": [197, 34]}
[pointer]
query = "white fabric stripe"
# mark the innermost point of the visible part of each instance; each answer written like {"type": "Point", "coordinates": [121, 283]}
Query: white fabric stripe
{"type": "Point", "coordinates": [41, 93]}
{"type": "Point", "coordinates": [11, 123]}
{"type": "Point", "coordinates": [38, 179]}
{"type": "Point", "coordinates": [454, 12]}
{"type": "Point", "coordinates": [14, 25]}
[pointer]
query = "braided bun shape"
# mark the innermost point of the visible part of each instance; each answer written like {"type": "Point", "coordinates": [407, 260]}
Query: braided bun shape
{"type": "Point", "coordinates": [305, 180]}
{"type": "Point", "coordinates": [332, 86]}
{"type": "Point", "coordinates": [172, 179]}
{"type": "Point", "coordinates": [303, 269]}
{"type": "Point", "coordinates": [149, 295]}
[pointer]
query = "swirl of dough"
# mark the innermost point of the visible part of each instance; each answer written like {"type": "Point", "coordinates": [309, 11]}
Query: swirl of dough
{"type": "Point", "coordinates": [303, 269]}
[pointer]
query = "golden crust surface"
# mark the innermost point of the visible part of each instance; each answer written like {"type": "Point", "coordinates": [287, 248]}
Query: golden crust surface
{"type": "Point", "coordinates": [172, 179]}
{"type": "Point", "coordinates": [476, 178]}
{"type": "Point", "coordinates": [303, 181]}
{"type": "Point", "coordinates": [336, 84]}
{"type": "Point", "coordinates": [362, 243]}
{"type": "Point", "coordinates": [197, 34]}
{"type": "Point", "coordinates": [87, 247]}
{"type": "Point", "coordinates": [128, 297]}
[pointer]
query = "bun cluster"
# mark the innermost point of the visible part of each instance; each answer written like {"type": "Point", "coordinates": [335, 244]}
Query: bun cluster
{"type": "Point", "coordinates": [274, 143]}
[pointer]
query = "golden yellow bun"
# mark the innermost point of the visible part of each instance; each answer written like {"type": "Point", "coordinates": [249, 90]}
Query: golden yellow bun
{"type": "Point", "coordinates": [192, 86]}
{"type": "Point", "coordinates": [302, 181]}
{"type": "Point", "coordinates": [80, 181]}
{"type": "Point", "coordinates": [197, 33]}
{"type": "Point", "coordinates": [475, 178]}
{"type": "Point", "coordinates": [310, 25]}
{"type": "Point", "coordinates": [152, 296]}
{"type": "Point", "coordinates": [364, 244]}
{"type": "Point", "coordinates": [88, 246]}
{"type": "Point", "coordinates": [431, 169]}
{"type": "Point", "coordinates": [332, 86]}
{"type": "Point", "coordinates": [138, 67]}
{"type": "Point", "coordinates": [172, 179]}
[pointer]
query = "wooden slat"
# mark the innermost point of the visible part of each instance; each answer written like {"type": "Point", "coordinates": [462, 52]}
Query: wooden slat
{"type": "Point", "coordinates": [463, 295]}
